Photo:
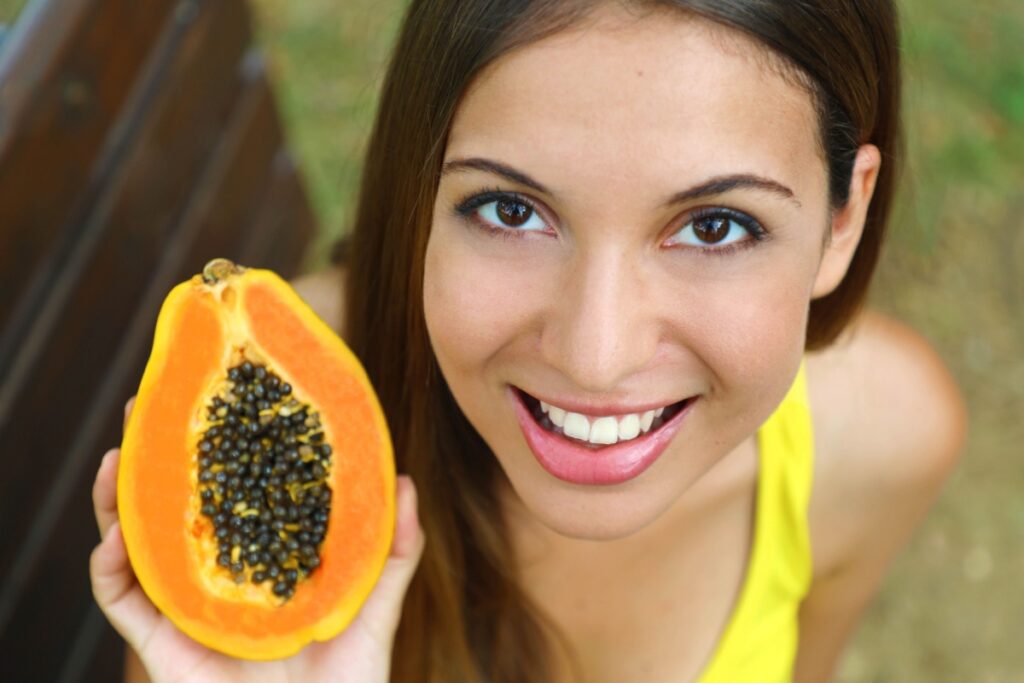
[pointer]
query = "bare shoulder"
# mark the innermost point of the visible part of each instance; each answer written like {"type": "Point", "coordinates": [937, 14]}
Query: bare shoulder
{"type": "Point", "coordinates": [889, 427]}
{"type": "Point", "coordinates": [324, 291]}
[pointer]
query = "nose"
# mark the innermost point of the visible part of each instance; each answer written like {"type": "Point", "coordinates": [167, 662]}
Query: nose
{"type": "Point", "coordinates": [602, 326]}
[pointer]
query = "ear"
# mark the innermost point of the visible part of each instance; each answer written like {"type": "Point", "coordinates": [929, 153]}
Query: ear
{"type": "Point", "coordinates": [848, 223]}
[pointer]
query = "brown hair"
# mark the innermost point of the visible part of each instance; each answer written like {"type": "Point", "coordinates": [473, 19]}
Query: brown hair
{"type": "Point", "coordinates": [466, 618]}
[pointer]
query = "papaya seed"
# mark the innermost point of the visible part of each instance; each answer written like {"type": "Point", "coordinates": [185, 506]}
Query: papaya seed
{"type": "Point", "coordinates": [260, 452]}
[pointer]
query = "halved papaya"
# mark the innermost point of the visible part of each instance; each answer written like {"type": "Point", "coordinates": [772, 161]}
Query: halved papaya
{"type": "Point", "coordinates": [256, 485]}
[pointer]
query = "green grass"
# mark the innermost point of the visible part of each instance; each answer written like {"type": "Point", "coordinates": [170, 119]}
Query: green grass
{"type": "Point", "coordinates": [328, 59]}
{"type": "Point", "coordinates": [952, 609]}
{"type": "Point", "coordinates": [9, 10]}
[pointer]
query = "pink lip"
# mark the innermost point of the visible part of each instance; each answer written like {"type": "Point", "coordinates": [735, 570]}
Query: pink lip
{"type": "Point", "coordinates": [570, 461]}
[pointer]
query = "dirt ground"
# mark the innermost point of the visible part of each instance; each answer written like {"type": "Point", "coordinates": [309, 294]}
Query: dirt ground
{"type": "Point", "coordinates": [952, 609]}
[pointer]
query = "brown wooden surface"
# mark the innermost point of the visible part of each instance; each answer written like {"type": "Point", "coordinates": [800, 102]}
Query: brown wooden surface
{"type": "Point", "coordinates": [192, 166]}
{"type": "Point", "coordinates": [58, 103]}
{"type": "Point", "coordinates": [134, 223]}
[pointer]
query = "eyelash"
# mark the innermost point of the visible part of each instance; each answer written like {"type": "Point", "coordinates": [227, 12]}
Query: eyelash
{"type": "Point", "coordinates": [751, 225]}
{"type": "Point", "coordinates": [466, 208]}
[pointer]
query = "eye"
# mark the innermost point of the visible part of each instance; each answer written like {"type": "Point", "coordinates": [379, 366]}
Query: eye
{"type": "Point", "coordinates": [502, 211]}
{"type": "Point", "coordinates": [715, 229]}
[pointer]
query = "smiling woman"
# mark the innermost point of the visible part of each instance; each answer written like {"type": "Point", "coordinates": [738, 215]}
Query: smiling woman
{"type": "Point", "coordinates": [600, 307]}
{"type": "Point", "coordinates": [638, 207]}
{"type": "Point", "coordinates": [606, 276]}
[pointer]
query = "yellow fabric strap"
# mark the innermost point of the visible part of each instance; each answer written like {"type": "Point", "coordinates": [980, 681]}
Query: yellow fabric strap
{"type": "Point", "coordinates": [759, 644]}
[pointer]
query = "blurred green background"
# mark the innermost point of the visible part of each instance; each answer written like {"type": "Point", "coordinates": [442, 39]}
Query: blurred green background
{"type": "Point", "coordinates": [9, 9]}
{"type": "Point", "coordinates": [952, 610]}
{"type": "Point", "coordinates": [953, 607]}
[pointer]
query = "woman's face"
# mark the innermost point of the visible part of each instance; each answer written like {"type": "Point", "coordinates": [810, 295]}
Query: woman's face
{"type": "Point", "coordinates": [632, 217]}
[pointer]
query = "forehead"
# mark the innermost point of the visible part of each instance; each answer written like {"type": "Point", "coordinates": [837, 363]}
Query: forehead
{"type": "Point", "coordinates": [641, 96]}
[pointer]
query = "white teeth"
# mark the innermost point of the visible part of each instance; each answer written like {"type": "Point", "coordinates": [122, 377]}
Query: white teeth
{"type": "Point", "coordinates": [576, 426]}
{"type": "Point", "coordinates": [557, 415]}
{"type": "Point", "coordinates": [605, 430]}
{"type": "Point", "coordinates": [629, 427]}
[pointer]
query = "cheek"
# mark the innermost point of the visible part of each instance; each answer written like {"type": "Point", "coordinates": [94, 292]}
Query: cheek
{"type": "Point", "coordinates": [474, 306]}
{"type": "Point", "coordinates": [764, 324]}
{"type": "Point", "coordinates": [751, 338]}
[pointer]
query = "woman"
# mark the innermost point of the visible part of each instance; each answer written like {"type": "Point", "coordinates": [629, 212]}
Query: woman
{"type": "Point", "coordinates": [606, 277]}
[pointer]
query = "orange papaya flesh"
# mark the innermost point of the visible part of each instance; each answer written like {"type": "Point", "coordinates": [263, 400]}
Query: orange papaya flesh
{"type": "Point", "coordinates": [203, 527]}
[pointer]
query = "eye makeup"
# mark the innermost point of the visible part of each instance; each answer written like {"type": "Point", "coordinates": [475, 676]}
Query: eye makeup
{"type": "Point", "coordinates": [714, 217]}
{"type": "Point", "coordinates": [521, 208]}
{"type": "Point", "coordinates": [468, 210]}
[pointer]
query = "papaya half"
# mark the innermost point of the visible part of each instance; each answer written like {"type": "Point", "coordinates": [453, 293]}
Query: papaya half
{"type": "Point", "coordinates": [256, 485]}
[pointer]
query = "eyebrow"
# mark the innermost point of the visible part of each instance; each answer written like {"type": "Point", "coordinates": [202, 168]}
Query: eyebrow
{"type": "Point", "coordinates": [496, 168]}
{"type": "Point", "coordinates": [722, 184]}
{"type": "Point", "coordinates": [714, 186]}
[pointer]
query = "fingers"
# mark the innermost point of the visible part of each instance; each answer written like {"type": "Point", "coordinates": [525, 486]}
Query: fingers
{"type": "Point", "coordinates": [128, 411]}
{"type": "Point", "coordinates": [104, 491]}
{"type": "Point", "coordinates": [408, 543]}
{"type": "Point", "coordinates": [383, 608]}
{"type": "Point", "coordinates": [117, 592]}
{"type": "Point", "coordinates": [113, 582]}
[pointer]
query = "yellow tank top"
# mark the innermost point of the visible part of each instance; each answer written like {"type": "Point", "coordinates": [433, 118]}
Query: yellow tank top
{"type": "Point", "coordinates": [760, 640]}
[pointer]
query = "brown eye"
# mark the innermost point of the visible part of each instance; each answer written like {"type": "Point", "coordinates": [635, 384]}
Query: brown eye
{"type": "Point", "coordinates": [502, 211]}
{"type": "Point", "coordinates": [717, 230]}
{"type": "Point", "coordinates": [712, 229]}
{"type": "Point", "coordinates": [513, 213]}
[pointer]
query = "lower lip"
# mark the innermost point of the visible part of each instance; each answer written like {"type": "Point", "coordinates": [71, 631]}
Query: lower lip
{"type": "Point", "coordinates": [570, 461]}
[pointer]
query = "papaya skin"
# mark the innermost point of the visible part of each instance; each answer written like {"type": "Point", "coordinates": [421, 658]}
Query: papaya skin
{"type": "Point", "coordinates": [206, 325]}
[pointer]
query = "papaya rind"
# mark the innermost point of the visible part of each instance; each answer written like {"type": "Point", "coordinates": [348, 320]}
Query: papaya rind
{"type": "Point", "coordinates": [374, 558]}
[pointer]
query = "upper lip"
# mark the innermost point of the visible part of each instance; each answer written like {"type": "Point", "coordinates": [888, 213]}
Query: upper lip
{"type": "Point", "coordinates": [601, 408]}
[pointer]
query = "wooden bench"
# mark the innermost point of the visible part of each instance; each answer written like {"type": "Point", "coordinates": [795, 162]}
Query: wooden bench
{"type": "Point", "coordinates": [137, 141]}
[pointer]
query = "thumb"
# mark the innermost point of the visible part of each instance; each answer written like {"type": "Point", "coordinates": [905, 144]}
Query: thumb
{"type": "Point", "coordinates": [382, 610]}
{"type": "Point", "coordinates": [117, 592]}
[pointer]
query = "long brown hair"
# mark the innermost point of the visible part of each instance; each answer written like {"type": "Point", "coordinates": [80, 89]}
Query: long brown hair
{"type": "Point", "coordinates": [466, 618]}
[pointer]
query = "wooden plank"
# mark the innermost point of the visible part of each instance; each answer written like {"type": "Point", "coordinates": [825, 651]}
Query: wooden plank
{"type": "Point", "coordinates": [134, 225]}
{"type": "Point", "coordinates": [67, 73]}
{"type": "Point", "coordinates": [97, 653]}
{"type": "Point", "coordinates": [220, 213]}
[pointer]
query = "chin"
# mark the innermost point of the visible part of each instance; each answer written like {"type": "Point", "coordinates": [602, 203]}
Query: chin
{"type": "Point", "coordinates": [606, 527]}
{"type": "Point", "coordinates": [594, 513]}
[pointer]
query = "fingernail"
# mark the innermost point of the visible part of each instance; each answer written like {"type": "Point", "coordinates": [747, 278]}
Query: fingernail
{"type": "Point", "coordinates": [407, 491]}
{"type": "Point", "coordinates": [409, 503]}
{"type": "Point", "coordinates": [107, 456]}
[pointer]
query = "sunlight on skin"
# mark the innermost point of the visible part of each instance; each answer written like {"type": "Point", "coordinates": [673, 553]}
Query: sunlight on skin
{"type": "Point", "coordinates": [598, 309]}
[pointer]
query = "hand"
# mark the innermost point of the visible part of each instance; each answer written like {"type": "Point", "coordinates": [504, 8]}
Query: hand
{"type": "Point", "coordinates": [360, 654]}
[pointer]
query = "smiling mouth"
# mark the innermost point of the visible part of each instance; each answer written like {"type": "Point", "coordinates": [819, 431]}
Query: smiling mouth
{"type": "Point", "coordinates": [597, 432]}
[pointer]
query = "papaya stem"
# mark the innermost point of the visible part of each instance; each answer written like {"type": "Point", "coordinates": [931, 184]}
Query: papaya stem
{"type": "Point", "coordinates": [220, 269]}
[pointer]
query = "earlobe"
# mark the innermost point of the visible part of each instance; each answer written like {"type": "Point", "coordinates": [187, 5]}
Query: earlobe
{"type": "Point", "coordinates": [848, 222]}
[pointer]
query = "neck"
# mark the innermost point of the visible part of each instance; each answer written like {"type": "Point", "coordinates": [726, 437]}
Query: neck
{"type": "Point", "coordinates": [678, 574]}
{"type": "Point", "coordinates": [536, 544]}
